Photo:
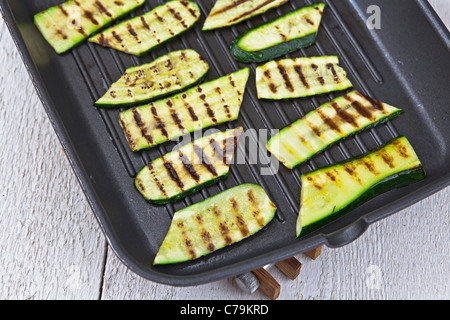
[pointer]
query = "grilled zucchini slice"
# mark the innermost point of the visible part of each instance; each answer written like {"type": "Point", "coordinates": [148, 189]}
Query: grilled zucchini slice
{"type": "Point", "coordinates": [219, 221]}
{"type": "Point", "coordinates": [330, 192]}
{"type": "Point", "coordinates": [229, 12]}
{"type": "Point", "coordinates": [330, 123]}
{"type": "Point", "coordinates": [188, 169]}
{"type": "Point", "coordinates": [295, 30]}
{"type": "Point", "coordinates": [167, 75]}
{"type": "Point", "coordinates": [67, 24]}
{"type": "Point", "coordinates": [300, 77]}
{"type": "Point", "coordinates": [141, 34]}
{"type": "Point", "coordinates": [203, 106]}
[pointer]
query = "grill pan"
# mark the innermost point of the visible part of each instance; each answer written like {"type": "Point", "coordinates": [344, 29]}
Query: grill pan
{"type": "Point", "coordinates": [405, 63]}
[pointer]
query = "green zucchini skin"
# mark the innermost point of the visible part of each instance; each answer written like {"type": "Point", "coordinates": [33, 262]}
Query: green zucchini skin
{"type": "Point", "coordinates": [300, 77]}
{"type": "Point", "coordinates": [170, 74]}
{"type": "Point", "coordinates": [217, 222]}
{"type": "Point", "coordinates": [307, 18]}
{"type": "Point", "coordinates": [188, 169]}
{"type": "Point", "coordinates": [396, 164]}
{"type": "Point", "coordinates": [331, 123]}
{"type": "Point", "coordinates": [203, 106]}
{"type": "Point", "coordinates": [140, 35]}
{"type": "Point", "coordinates": [270, 53]}
{"type": "Point", "coordinates": [68, 24]}
{"type": "Point", "coordinates": [226, 13]}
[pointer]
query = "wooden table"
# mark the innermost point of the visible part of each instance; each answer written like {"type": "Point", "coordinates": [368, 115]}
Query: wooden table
{"type": "Point", "coordinates": [52, 248]}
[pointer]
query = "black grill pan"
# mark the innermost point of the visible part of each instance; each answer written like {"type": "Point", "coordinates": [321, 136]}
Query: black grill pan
{"type": "Point", "coordinates": [406, 63]}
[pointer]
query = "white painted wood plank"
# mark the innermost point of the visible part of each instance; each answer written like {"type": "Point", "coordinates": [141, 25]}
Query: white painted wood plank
{"type": "Point", "coordinates": [52, 248]}
{"type": "Point", "coordinates": [442, 8]}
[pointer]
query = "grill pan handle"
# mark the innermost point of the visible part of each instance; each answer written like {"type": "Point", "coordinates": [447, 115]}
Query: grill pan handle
{"type": "Point", "coordinates": [260, 279]}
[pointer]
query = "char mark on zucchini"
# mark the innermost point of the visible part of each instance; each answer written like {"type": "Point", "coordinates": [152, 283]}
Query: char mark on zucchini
{"type": "Point", "coordinates": [141, 125]}
{"type": "Point", "coordinates": [143, 33]}
{"type": "Point", "coordinates": [343, 115]}
{"type": "Point", "coordinates": [300, 73]}
{"type": "Point", "coordinates": [167, 75]}
{"type": "Point", "coordinates": [285, 76]}
{"type": "Point", "coordinates": [205, 160]}
{"type": "Point", "coordinates": [318, 74]}
{"type": "Point", "coordinates": [300, 77]}
{"type": "Point", "coordinates": [103, 9]}
{"type": "Point", "coordinates": [188, 169]}
{"type": "Point", "coordinates": [229, 12]}
{"type": "Point", "coordinates": [227, 7]}
{"type": "Point", "coordinates": [200, 107]}
{"type": "Point", "coordinates": [247, 14]}
{"type": "Point", "coordinates": [67, 24]}
{"type": "Point", "coordinates": [219, 221]}
{"type": "Point", "coordinates": [173, 174]}
{"type": "Point", "coordinates": [333, 191]}
{"type": "Point", "coordinates": [159, 123]}
{"type": "Point", "coordinates": [331, 122]}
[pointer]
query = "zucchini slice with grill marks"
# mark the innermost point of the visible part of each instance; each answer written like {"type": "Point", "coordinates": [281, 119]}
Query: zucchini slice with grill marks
{"type": "Point", "coordinates": [217, 222]}
{"type": "Point", "coordinates": [203, 106]}
{"type": "Point", "coordinates": [229, 12]}
{"type": "Point", "coordinates": [330, 192]}
{"type": "Point", "coordinates": [141, 34]}
{"type": "Point", "coordinates": [167, 75]}
{"type": "Point", "coordinates": [188, 169]}
{"type": "Point", "coordinates": [67, 24]}
{"type": "Point", "coordinates": [295, 30]}
{"type": "Point", "coordinates": [330, 123]}
{"type": "Point", "coordinates": [300, 77]}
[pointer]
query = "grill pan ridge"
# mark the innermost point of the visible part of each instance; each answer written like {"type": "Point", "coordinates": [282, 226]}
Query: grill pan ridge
{"type": "Point", "coordinates": [105, 166]}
